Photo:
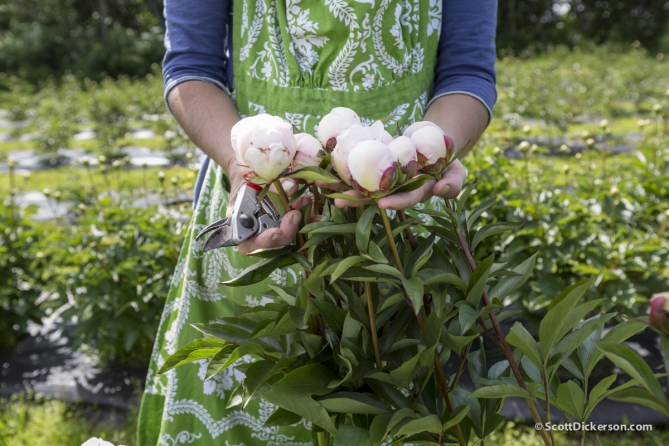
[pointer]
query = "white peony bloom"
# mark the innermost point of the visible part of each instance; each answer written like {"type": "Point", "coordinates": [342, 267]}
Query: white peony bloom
{"type": "Point", "coordinates": [374, 168]}
{"type": "Point", "coordinates": [265, 144]}
{"type": "Point", "coordinates": [308, 150]}
{"type": "Point", "coordinates": [379, 133]}
{"type": "Point", "coordinates": [334, 124]}
{"type": "Point", "coordinates": [97, 442]}
{"type": "Point", "coordinates": [404, 150]}
{"type": "Point", "coordinates": [345, 143]}
{"type": "Point", "coordinates": [432, 146]}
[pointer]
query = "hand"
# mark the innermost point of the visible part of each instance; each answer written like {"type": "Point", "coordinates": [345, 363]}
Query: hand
{"type": "Point", "coordinates": [275, 237]}
{"type": "Point", "coordinates": [450, 186]}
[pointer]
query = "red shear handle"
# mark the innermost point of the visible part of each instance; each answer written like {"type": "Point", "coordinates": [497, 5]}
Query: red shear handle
{"type": "Point", "coordinates": [254, 186]}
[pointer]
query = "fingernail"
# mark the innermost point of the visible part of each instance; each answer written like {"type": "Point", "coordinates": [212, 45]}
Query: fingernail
{"type": "Point", "coordinates": [296, 219]}
{"type": "Point", "coordinates": [446, 189]}
{"type": "Point", "coordinates": [276, 236]}
{"type": "Point", "coordinates": [288, 184]}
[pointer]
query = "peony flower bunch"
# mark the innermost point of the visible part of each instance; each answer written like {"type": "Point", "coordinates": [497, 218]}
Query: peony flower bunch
{"type": "Point", "coordinates": [372, 161]}
{"type": "Point", "coordinates": [367, 158]}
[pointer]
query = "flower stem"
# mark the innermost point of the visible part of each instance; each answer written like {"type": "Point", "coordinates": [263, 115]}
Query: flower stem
{"type": "Point", "coordinates": [372, 325]}
{"type": "Point", "coordinates": [391, 241]}
{"type": "Point", "coordinates": [412, 240]}
{"type": "Point", "coordinates": [498, 331]}
{"type": "Point", "coordinates": [441, 379]}
{"type": "Point", "coordinates": [321, 439]}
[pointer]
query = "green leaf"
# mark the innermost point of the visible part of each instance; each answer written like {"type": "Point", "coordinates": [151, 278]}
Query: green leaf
{"type": "Point", "coordinates": [226, 332]}
{"type": "Point", "coordinates": [459, 413]}
{"type": "Point", "coordinates": [478, 280]}
{"type": "Point", "coordinates": [642, 397]}
{"type": "Point", "coordinates": [519, 337]}
{"type": "Point", "coordinates": [634, 366]}
{"type": "Point", "coordinates": [379, 427]}
{"type": "Point", "coordinates": [508, 284]}
{"type": "Point", "coordinates": [281, 417]}
{"type": "Point", "coordinates": [457, 343]}
{"type": "Point", "coordinates": [260, 271]}
{"type": "Point", "coordinates": [429, 423]}
{"type": "Point", "coordinates": [311, 379]}
{"type": "Point", "coordinates": [224, 359]}
{"type": "Point", "coordinates": [352, 403]}
{"type": "Point", "coordinates": [198, 349]}
{"type": "Point", "coordinates": [385, 269]}
{"type": "Point", "coordinates": [307, 229]}
{"type": "Point", "coordinates": [499, 391]}
{"type": "Point", "coordinates": [283, 293]}
{"type": "Point", "coordinates": [256, 375]}
{"type": "Point", "coordinates": [342, 229]}
{"type": "Point", "coordinates": [345, 197]}
{"type": "Point", "coordinates": [615, 335]}
{"type": "Point", "coordinates": [348, 435]}
{"type": "Point", "coordinates": [343, 266]}
{"type": "Point", "coordinates": [363, 228]}
{"type": "Point", "coordinates": [478, 211]}
{"type": "Point", "coordinates": [467, 316]}
{"type": "Point", "coordinates": [570, 399]}
{"type": "Point", "coordinates": [303, 406]}
{"type": "Point", "coordinates": [414, 288]}
{"type": "Point", "coordinates": [570, 342]}
{"type": "Point", "coordinates": [313, 173]}
{"type": "Point", "coordinates": [491, 229]}
{"type": "Point", "coordinates": [413, 184]}
{"type": "Point", "coordinates": [420, 256]}
{"type": "Point", "coordinates": [400, 376]}
{"type": "Point", "coordinates": [597, 394]}
{"type": "Point", "coordinates": [448, 279]}
{"type": "Point", "coordinates": [333, 315]}
{"type": "Point", "coordinates": [557, 321]}
{"type": "Point", "coordinates": [375, 254]}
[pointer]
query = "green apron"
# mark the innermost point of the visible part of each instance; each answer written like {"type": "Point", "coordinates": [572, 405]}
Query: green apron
{"type": "Point", "coordinates": [296, 59]}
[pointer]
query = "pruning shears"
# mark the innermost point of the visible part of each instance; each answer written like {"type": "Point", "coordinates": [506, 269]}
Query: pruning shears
{"type": "Point", "coordinates": [250, 217]}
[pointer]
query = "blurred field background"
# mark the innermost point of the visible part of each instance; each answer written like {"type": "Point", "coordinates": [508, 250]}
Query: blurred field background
{"type": "Point", "coordinates": [96, 179]}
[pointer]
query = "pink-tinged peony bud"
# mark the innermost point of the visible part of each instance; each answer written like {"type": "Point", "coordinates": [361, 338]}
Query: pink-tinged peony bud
{"type": "Point", "coordinates": [432, 145]}
{"type": "Point", "coordinates": [405, 152]}
{"type": "Point", "coordinates": [265, 144]}
{"type": "Point", "coordinates": [374, 168]}
{"type": "Point", "coordinates": [417, 126]}
{"type": "Point", "coordinates": [659, 312]}
{"type": "Point", "coordinates": [334, 124]}
{"type": "Point", "coordinates": [308, 149]}
{"type": "Point", "coordinates": [379, 133]}
{"type": "Point", "coordinates": [345, 143]}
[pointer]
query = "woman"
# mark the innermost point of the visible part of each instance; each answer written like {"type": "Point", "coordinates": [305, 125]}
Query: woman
{"type": "Point", "coordinates": [404, 59]}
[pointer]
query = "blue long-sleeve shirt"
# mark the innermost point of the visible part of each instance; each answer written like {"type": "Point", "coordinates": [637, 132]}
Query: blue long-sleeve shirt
{"type": "Point", "coordinates": [198, 37]}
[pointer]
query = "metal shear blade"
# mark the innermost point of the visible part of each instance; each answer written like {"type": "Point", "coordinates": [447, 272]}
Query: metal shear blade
{"type": "Point", "coordinates": [221, 235]}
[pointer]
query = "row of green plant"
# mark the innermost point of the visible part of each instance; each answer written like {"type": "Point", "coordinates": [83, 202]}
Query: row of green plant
{"type": "Point", "coordinates": [562, 90]}
{"type": "Point", "coordinates": [107, 262]}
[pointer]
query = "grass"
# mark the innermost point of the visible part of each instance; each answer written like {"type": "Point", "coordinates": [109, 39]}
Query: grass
{"type": "Point", "coordinates": [32, 420]}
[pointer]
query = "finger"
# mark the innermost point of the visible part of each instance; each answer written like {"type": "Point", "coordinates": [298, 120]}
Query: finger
{"type": "Point", "coordinates": [452, 181]}
{"type": "Point", "coordinates": [342, 203]}
{"type": "Point", "coordinates": [332, 186]}
{"type": "Point", "coordinates": [273, 238]}
{"type": "Point", "coordinates": [407, 199]}
{"type": "Point", "coordinates": [289, 185]}
{"type": "Point", "coordinates": [304, 200]}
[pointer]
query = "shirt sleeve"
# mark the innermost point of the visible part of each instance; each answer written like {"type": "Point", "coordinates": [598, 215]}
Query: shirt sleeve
{"type": "Point", "coordinates": [466, 57]}
{"type": "Point", "coordinates": [196, 42]}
